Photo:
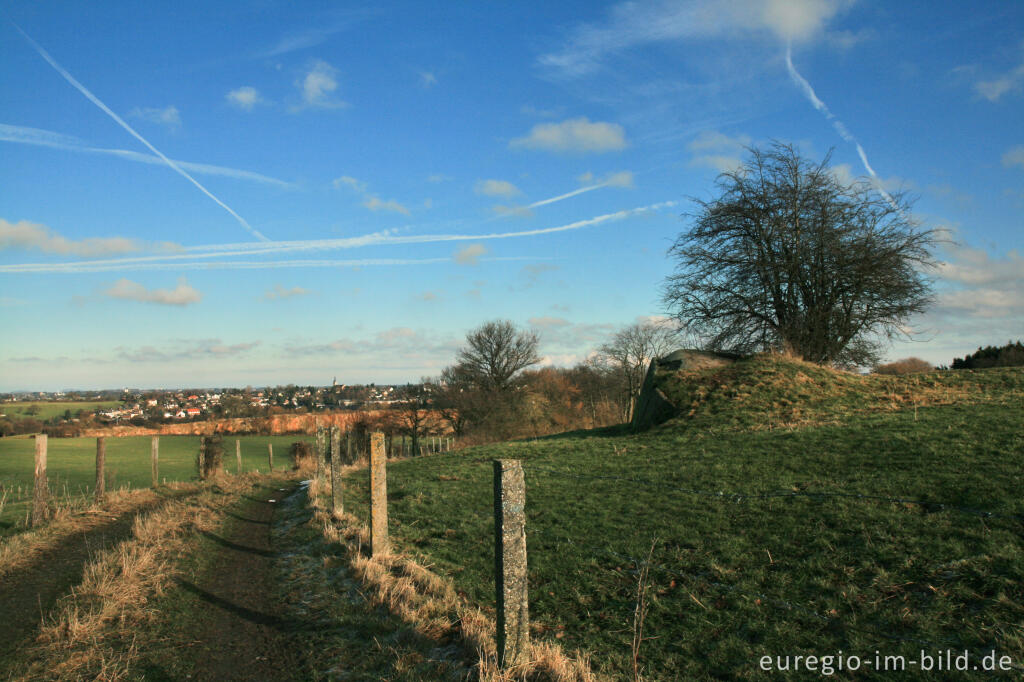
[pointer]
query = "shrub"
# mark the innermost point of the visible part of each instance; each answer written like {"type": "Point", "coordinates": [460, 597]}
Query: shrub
{"type": "Point", "coordinates": [303, 457]}
{"type": "Point", "coordinates": [905, 366]}
{"type": "Point", "coordinates": [213, 462]}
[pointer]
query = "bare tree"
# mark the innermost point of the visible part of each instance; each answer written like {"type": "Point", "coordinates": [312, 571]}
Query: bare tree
{"type": "Point", "coordinates": [495, 352]}
{"type": "Point", "coordinates": [788, 257]}
{"type": "Point", "coordinates": [631, 350]}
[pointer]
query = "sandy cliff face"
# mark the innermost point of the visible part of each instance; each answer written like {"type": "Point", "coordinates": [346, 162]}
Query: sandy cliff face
{"type": "Point", "coordinates": [275, 425]}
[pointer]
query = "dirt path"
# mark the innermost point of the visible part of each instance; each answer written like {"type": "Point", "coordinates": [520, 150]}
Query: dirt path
{"type": "Point", "coordinates": [29, 591]}
{"type": "Point", "coordinates": [229, 623]}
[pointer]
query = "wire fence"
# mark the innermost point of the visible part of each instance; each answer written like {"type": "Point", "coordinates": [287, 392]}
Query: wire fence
{"type": "Point", "coordinates": [555, 532]}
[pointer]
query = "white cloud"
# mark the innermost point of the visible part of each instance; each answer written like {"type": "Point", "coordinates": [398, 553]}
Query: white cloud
{"type": "Point", "coordinates": [994, 89]}
{"type": "Point", "coordinates": [578, 135]}
{"type": "Point", "coordinates": [508, 211]}
{"type": "Point", "coordinates": [377, 204]}
{"type": "Point", "coordinates": [438, 177]}
{"type": "Point", "coordinates": [245, 97]}
{"type": "Point", "coordinates": [717, 150]}
{"type": "Point", "coordinates": [370, 201]}
{"type": "Point", "coordinates": [1014, 156]}
{"type": "Point", "coordinates": [279, 292]}
{"type": "Point", "coordinates": [318, 87]}
{"type": "Point", "coordinates": [497, 188]}
{"type": "Point", "coordinates": [181, 295]}
{"type": "Point", "coordinates": [632, 24]}
{"type": "Point", "coordinates": [470, 255]}
{"type": "Point", "coordinates": [26, 235]}
{"type": "Point", "coordinates": [168, 116]}
{"type": "Point", "coordinates": [427, 79]}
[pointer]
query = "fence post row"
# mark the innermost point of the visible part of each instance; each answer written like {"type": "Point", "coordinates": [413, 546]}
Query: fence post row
{"type": "Point", "coordinates": [154, 457]}
{"type": "Point", "coordinates": [40, 492]}
{"type": "Point", "coordinates": [513, 631]}
{"type": "Point", "coordinates": [101, 480]}
{"type": "Point", "coordinates": [378, 496]}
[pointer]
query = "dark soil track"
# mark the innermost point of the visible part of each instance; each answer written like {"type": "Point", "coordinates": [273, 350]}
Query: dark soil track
{"type": "Point", "coordinates": [31, 590]}
{"type": "Point", "coordinates": [235, 628]}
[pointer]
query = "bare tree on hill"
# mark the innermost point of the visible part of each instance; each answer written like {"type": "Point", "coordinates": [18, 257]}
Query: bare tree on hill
{"type": "Point", "coordinates": [789, 257]}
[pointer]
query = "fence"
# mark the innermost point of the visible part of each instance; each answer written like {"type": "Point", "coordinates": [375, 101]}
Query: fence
{"type": "Point", "coordinates": [557, 538]}
{"type": "Point", "coordinates": [64, 473]}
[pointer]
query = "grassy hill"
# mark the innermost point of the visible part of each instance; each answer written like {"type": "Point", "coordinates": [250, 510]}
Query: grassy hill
{"type": "Point", "coordinates": [793, 510]}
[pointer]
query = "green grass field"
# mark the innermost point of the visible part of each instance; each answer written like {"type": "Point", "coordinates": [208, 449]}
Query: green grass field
{"type": "Point", "coordinates": [71, 465]}
{"type": "Point", "coordinates": [48, 409]}
{"type": "Point", "coordinates": [768, 541]}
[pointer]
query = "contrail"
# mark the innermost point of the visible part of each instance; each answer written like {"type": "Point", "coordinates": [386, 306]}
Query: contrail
{"type": "Point", "coordinates": [48, 138]}
{"type": "Point", "coordinates": [624, 179]}
{"type": "Point", "coordinates": [840, 127]}
{"type": "Point", "coordinates": [95, 100]}
{"type": "Point", "coordinates": [192, 257]}
{"type": "Point", "coordinates": [90, 266]}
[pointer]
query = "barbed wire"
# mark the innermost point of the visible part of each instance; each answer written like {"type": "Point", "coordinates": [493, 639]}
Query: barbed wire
{"type": "Point", "coordinates": [780, 494]}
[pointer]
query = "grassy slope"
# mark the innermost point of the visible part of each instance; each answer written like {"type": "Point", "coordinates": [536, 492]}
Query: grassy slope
{"type": "Point", "coordinates": [71, 465]}
{"type": "Point", "coordinates": [737, 579]}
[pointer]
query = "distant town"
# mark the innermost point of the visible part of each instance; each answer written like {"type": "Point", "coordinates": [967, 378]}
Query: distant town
{"type": "Point", "coordinates": [140, 407]}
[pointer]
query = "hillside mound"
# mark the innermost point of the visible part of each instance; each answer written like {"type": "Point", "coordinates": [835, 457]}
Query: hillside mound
{"type": "Point", "coordinates": [768, 391]}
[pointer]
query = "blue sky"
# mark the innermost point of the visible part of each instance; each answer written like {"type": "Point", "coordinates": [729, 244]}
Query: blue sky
{"type": "Point", "coordinates": [258, 193]}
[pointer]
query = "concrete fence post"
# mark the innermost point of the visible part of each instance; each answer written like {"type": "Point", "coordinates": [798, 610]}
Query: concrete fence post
{"type": "Point", "coordinates": [270, 456]}
{"type": "Point", "coordinates": [238, 455]}
{"type": "Point", "coordinates": [101, 462]}
{"type": "Point", "coordinates": [348, 448]}
{"type": "Point", "coordinates": [378, 496]}
{"type": "Point", "coordinates": [335, 451]}
{"type": "Point", "coordinates": [40, 491]}
{"type": "Point", "coordinates": [336, 499]}
{"type": "Point", "coordinates": [321, 451]}
{"type": "Point", "coordinates": [513, 632]}
{"type": "Point", "coordinates": [154, 460]}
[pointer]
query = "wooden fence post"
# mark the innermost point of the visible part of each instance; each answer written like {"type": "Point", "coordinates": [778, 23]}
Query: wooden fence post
{"type": "Point", "coordinates": [154, 460]}
{"type": "Point", "coordinates": [238, 455]}
{"type": "Point", "coordinates": [348, 448]}
{"type": "Point", "coordinates": [101, 459]}
{"type": "Point", "coordinates": [270, 456]}
{"type": "Point", "coordinates": [378, 496]}
{"type": "Point", "coordinates": [513, 632]}
{"type": "Point", "coordinates": [40, 492]}
{"type": "Point", "coordinates": [202, 458]}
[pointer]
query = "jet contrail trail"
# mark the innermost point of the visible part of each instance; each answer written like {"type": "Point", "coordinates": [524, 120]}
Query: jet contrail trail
{"type": "Point", "coordinates": [840, 127]}
{"type": "Point", "coordinates": [95, 100]}
{"type": "Point", "coordinates": [623, 179]}
{"type": "Point", "coordinates": [91, 266]}
{"type": "Point", "coordinates": [190, 257]}
{"type": "Point", "coordinates": [48, 138]}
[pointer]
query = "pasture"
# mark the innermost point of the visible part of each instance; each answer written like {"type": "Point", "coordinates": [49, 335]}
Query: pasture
{"type": "Point", "coordinates": [894, 530]}
{"type": "Point", "coordinates": [71, 466]}
{"type": "Point", "coordinates": [46, 409]}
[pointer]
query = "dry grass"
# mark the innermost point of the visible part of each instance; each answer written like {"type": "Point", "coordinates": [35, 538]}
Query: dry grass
{"type": "Point", "coordinates": [90, 634]}
{"type": "Point", "coordinates": [429, 604]}
{"type": "Point", "coordinates": [21, 549]}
